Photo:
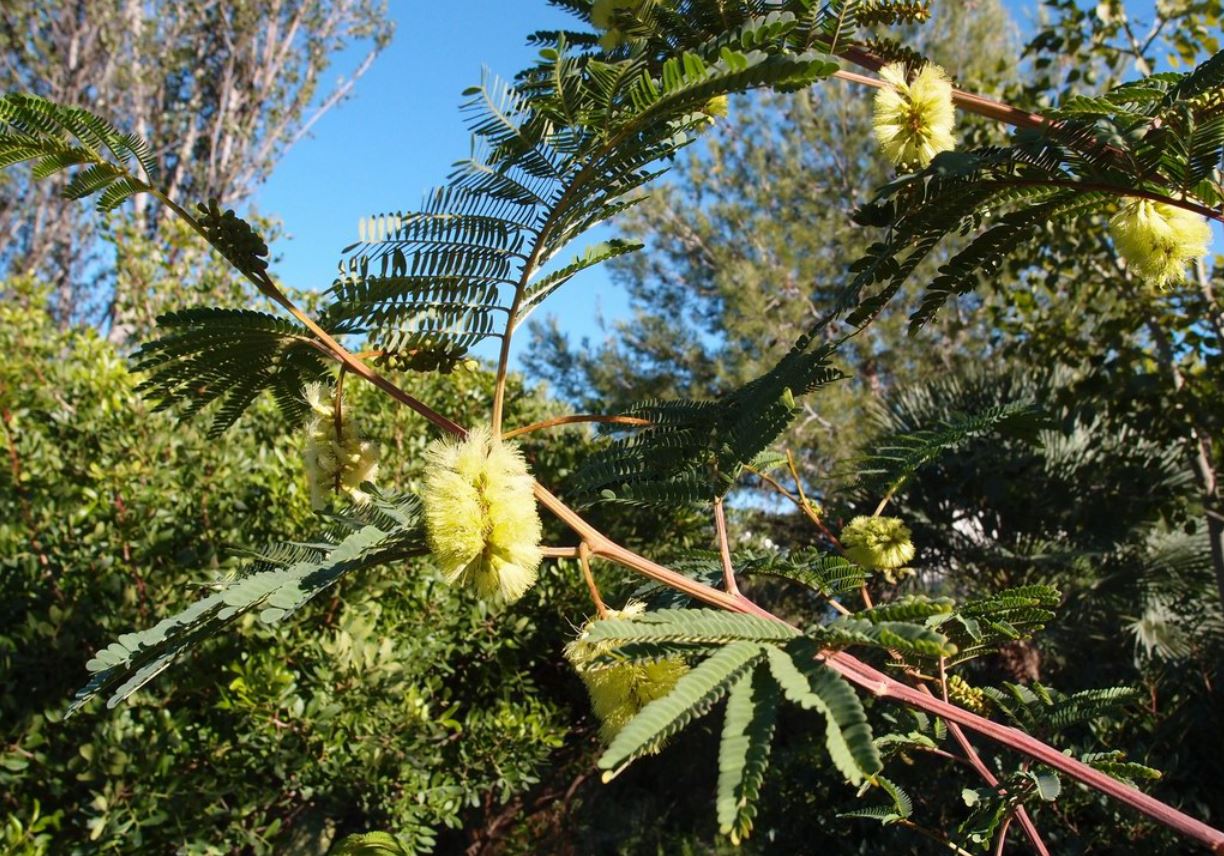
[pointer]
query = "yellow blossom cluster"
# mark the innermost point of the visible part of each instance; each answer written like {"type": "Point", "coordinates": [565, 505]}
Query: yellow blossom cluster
{"type": "Point", "coordinates": [336, 458]}
{"type": "Point", "coordinates": [913, 121]}
{"type": "Point", "coordinates": [480, 515]}
{"type": "Point", "coordinates": [1158, 240]}
{"type": "Point", "coordinates": [877, 543]}
{"type": "Point", "coordinates": [620, 690]}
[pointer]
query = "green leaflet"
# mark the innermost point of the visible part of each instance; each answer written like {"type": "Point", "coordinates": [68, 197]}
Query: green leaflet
{"type": "Point", "coordinates": [694, 694]}
{"type": "Point", "coordinates": [810, 684]}
{"type": "Point", "coordinates": [228, 356]}
{"type": "Point", "coordinates": [692, 625]}
{"type": "Point", "coordinates": [693, 451]}
{"type": "Point", "coordinates": [908, 608]}
{"type": "Point", "coordinates": [892, 635]}
{"type": "Point", "coordinates": [743, 753]}
{"type": "Point", "coordinates": [897, 456]}
{"type": "Point", "coordinates": [57, 138]}
{"type": "Point", "coordinates": [901, 808]}
{"type": "Point", "coordinates": [129, 663]}
{"type": "Point", "coordinates": [979, 626]}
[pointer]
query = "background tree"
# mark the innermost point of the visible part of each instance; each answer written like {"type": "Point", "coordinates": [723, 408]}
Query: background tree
{"type": "Point", "coordinates": [232, 85]}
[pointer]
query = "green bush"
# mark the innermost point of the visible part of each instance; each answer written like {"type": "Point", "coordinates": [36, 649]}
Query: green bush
{"type": "Point", "coordinates": [397, 702]}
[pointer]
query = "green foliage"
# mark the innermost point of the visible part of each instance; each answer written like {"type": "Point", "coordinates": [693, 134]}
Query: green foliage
{"type": "Point", "coordinates": [695, 693]}
{"type": "Point", "coordinates": [229, 356]}
{"type": "Point", "coordinates": [1160, 137]}
{"type": "Point", "coordinates": [384, 704]}
{"type": "Point", "coordinates": [58, 138]}
{"type": "Point", "coordinates": [743, 756]}
{"type": "Point", "coordinates": [706, 626]}
{"type": "Point", "coordinates": [277, 586]}
{"type": "Point", "coordinates": [812, 685]}
{"type": "Point", "coordinates": [570, 144]}
{"type": "Point", "coordinates": [981, 625]}
{"type": "Point", "coordinates": [896, 457]}
{"type": "Point", "coordinates": [694, 451]}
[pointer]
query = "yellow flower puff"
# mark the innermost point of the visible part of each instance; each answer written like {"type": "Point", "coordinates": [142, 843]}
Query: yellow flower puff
{"type": "Point", "coordinates": [913, 121]}
{"type": "Point", "coordinates": [480, 515]}
{"type": "Point", "coordinates": [1158, 240]}
{"type": "Point", "coordinates": [620, 690]}
{"type": "Point", "coordinates": [877, 542]}
{"type": "Point", "coordinates": [335, 461]}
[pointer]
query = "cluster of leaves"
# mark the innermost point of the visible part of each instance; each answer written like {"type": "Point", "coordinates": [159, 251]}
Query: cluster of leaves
{"type": "Point", "coordinates": [1162, 136]}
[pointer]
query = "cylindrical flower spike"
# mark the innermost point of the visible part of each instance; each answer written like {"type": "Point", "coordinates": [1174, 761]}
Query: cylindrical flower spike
{"type": "Point", "coordinates": [913, 121]}
{"type": "Point", "coordinates": [337, 459]}
{"type": "Point", "coordinates": [1158, 240]}
{"type": "Point", "coordinates": [877, 543]}
{"type": "Point", "coordinates": [480, 515]}
{"type": "Point", "coordinates": [619, 691]}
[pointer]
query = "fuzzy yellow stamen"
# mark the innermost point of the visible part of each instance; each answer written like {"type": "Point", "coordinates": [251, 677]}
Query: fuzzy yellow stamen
{"type": "Point", "coordinates": [336, 458]}
{"type": "Point", "coordinates": [881, 543]}
{"type": "Point", "coordinates": [480, 515]}
{"type": "Point", "coordinates": [1158, 240]}
{"type": "Point", "coordinates": [619, 691]}
{"type": "Point", "coordinates": [913, 121]}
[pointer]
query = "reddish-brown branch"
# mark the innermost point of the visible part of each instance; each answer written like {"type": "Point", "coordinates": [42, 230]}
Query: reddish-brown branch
{"type": "Point", "coordinates": [724, 549]}
{"type": "Point", "coordinates": [1090, 187]}
{"type": "Point", "coordinates": [584, 559]}
{"type": "Point", "coordinates": [884, 687]}
{"type": "Point", "coordinates": [573, 420]}
{"type": "Point", "coordinates": [988, 776]}
{"type": "Point", "coordinates": [967, 101]}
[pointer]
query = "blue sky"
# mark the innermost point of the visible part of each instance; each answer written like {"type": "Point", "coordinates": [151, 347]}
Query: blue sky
{"type": "Point", "coordinates": [399, 134]}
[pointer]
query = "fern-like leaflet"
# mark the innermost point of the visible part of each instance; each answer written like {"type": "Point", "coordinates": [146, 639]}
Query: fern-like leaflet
{"type": "Point", "coordinates": [275, 586]}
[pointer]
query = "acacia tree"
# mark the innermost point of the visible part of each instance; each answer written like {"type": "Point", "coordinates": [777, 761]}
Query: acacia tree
{"type": "Point", "coordinates": [569, 144]}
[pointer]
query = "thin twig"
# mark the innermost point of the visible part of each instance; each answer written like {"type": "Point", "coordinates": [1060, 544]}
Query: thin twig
{"type": "Point", "coordinates": [338, 422]}
{"type": "Point", "coordinates": [1021, 813]}
{"type": "Point", "coordinates": [937, 837]}
{"type": "Point", "coordinates": [584, 559]}
{"type": "Point", "coordinates": [1001, 844]}
{"type": "Point", "coordinates": [724, 549]}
